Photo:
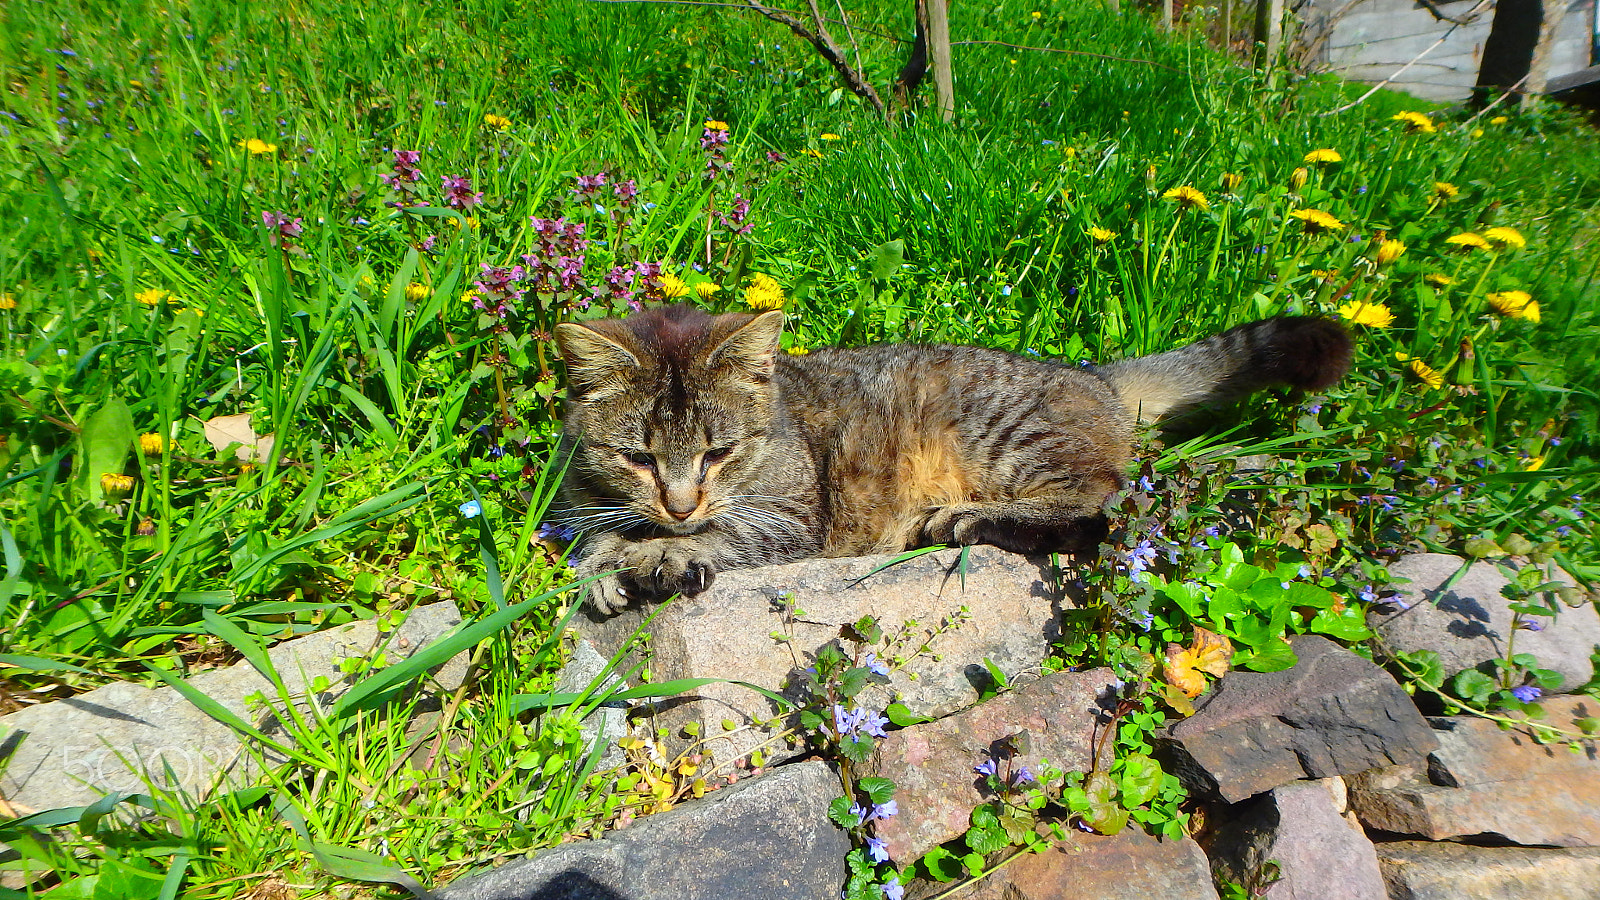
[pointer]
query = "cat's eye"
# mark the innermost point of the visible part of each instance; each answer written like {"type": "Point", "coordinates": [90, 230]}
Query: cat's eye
{"type": "Point", "coordinates": [718, 454]}
{"type": "Point", "coordinates": [640, 458]}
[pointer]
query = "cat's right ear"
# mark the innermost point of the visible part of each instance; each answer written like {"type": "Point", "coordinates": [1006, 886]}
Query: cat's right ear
{"type": "Point", "coordinates": [594, 361]}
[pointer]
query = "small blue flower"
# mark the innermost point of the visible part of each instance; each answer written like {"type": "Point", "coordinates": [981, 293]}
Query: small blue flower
{"type": "Point", "coordinates": [873, 724]}
{"type": "Point", "coordinates": [878, 849]}
{"type": "Point", "coordinates": [1529, 624]}
{"type": "Point", "coordinates": [1526, 693]}
{"type": "Point", "coordinates": [859, 811]}
{"type": "Point", "coordinates": [876, 665]}
{"type": "Point", "coordinates": [555, 531]}
{"type": "Point", "coordinates": [894, 890]}
{"type": "Point", "coordinates": [1022, 776]}
{"type": "Point", "coordinates": [985, 768]}
{"type": "Point", "coordinates": [885, 810]}
{"type": "Point", "coordinates": [1368, 595]}
{"type": "Point", "coordinates": [1145, 484]}
{"type": "Point", "coordinates": [471, 509]}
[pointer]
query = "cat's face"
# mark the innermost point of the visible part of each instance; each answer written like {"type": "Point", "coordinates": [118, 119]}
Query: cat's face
{"type": "Point", "coordinates": [670, 411]}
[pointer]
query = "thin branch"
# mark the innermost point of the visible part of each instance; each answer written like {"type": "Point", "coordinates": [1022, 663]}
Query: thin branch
{"type": "Point", "coordinates": [740, 7]}
{"type": "Point", "coordinates": [826, 46]}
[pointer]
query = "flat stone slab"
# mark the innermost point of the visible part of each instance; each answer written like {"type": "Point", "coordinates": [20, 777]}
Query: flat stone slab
{"type": "Point", "coordinates": [1467, 621]}
{"type": "Point", "coordinates": [766, 838]}
{"type": "Point", "coordinates": [932, 763]}
{"type": "Point", "coordinates": [1332, 713]}
{"type": "Point", "coordinates": [71, 752]}
{"type": "Point", "coordinates": [1421, 870]}
{"type": "Point", "coordinates": [1131, 865]}
{"type": "Point", "coordinates": [1300, 827]}
{"type": "Point", "coordinates": [941, 616]}
{"type": "Point", "coordinates": [1485, 783]}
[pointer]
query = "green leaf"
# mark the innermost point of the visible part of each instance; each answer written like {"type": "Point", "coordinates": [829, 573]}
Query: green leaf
{"type": "Point", "coordinates": [106, 440]}
{"type": "Point", "coordinates": [1141, 779]}
{"type": "Point", "coordinates": [881, 790]}
{"type": "Point", "coordinates": [986, 839]}
{"type": "Point", "coordinates": [1272, 656]}
{"type": "Point", "coordinates": [1347, 626]}
{"type": "Point", "coordinates": [1189, 597]}
{"type": "Point", "coordinates": [885, 259]}
{"type": "Point", "coordinates": [902, 716]}
{"type": "Point", "coordinates": [40, 664]}
{"type": "Point", "coordinates": [840, 814]}
{"type": "Point", "coordinates": [247, 646]}
{"type": "Point", "coordinates": [1473, 685]}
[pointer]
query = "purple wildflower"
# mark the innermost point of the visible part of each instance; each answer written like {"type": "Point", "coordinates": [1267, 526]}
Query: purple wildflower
{"type": "Point", "coordinates": [1139, 559]}
{"type": "Point", "coordinates": [1529, 624]}
{"type": "Point", "coordinates": [626, 191]}
{"type": "Point", "coordinates": [1527, 693]}
{"type": "Point", "coordinates": [775, 157]}
{"type": "Point", "coordinates": [555, 531]}
{"type": "Point", "coordinates": [878, 849]}
{"type": "Point", "coordinates": [1022, 776]}
{"type": "Point", "coordinates": [893, 890]}
{"type": "Point", "coordinates": [876, 665]}
{"type": "Point", "coordinates": [885, 810]}
{"type": "Point", "coordinates": [458, 193]}
{"type": "Point", "coordinates": [985, 768]}
{"type": "Point", "coordinates": [282, 227]}
{"type": "Point", "coordinates": [588, 185]}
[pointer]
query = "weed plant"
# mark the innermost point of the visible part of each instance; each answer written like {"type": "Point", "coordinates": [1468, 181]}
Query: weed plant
{"type": "Point", "coordinates": [277, 291]}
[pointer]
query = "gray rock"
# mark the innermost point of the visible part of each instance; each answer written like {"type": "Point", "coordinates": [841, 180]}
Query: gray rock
{"type": "Point", "coordinates": [1127, 866]}
{"type": "Point", "coordinates": [586, 669]}
{"type": "Point", "coordinates": [1419, 870]}
{"type": "Point", "coordinates": [932, 763]}
{"type": "Point", "coordinates": [766, 838]}
{"type": "Point", "coordinates": [73, 751]}
{"type": "Point", "coordinates": [1332, 713]}
{"type": "Point", "coordinates": [1318, 854]}
{"type": "Point", "coordinates": [1490, 784]}
{"type": "Point", "coordinates": [922, 603]}
{"type": "Point", "coordinates": [1468, 622]}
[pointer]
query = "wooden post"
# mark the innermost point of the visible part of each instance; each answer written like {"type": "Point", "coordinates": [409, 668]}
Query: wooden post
{"type": "Point", "coordinates": [1227, 25]}
{"type": "Point", "coordinates": [1269, 31]}
{"type": "Point", "coordinates": [944, 80]}
{"type": "Point", "coordinates": [1166, 15]}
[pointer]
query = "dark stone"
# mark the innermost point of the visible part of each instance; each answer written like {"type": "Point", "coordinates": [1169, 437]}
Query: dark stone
{"type": "Point", "coordinates": [1332, 713]}
{"type": "Point", "coordinates": [1299, 830]}
{"type": "Point", "coordinates": [1131, 865]}
{"type": "Point", "coordinates": [766, 838]}
{"type": "Point", "coordinates": [1419, 870]}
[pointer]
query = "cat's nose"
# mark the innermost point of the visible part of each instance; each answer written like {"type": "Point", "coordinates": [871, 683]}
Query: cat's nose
{"type": "Point", "coordinates": [681, 508]}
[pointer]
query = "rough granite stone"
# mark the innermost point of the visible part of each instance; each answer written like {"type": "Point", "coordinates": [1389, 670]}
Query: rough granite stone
{"type": "Point", "coordinates": [728, 633]}
{"type": "Point", "coordinates": [932, 763]}
{"type": "Point", "coordinates": [1420, 870]}
{"type": "Point", "coordinates": [766, 838]}
{"type": "Point", "coordinates": [1319, 855]}
{"type": "Point", "coordinates": [72, 751]}
{"type": "Point", "coordinates": [1490, 784]}
{"type": "Point", "coordinates": [1468, 623]}
{"type": "Point", "coordinates": [1332, 713]}
{"type": "Point", "coordinates": [1127, 866]}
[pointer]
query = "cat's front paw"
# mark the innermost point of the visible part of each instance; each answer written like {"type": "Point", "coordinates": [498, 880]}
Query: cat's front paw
{"type": "Point", "coordinates": [958, 524]}
{"type": "Point", "coordinates": [655, 570]}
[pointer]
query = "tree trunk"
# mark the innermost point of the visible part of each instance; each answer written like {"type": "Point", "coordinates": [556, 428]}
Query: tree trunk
{"type": "Point", "coordinates": [1508, 52]}
{"type": "Point", "coordinates": [1269, 31]}
{"type": "Point", "coordinates": [944, 80]}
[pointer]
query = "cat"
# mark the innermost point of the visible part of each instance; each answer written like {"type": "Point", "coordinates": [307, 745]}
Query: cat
{"type": "Point", "coordinates": [693, 445]}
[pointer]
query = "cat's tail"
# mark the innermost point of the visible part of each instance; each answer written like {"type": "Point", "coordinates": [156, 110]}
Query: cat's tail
{"type": "Point", "coordinates": [1301, 351]}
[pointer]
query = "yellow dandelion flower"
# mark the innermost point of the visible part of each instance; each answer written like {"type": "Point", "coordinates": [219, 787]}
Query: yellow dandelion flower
{"type": "Point", "coordinates": [1444, 190]}
{"type": "Point", "coordinates": [1324, 156]}
{"type": "Point", "coordinates": [1316, 221]}
{"type": "Point", "coordinates": [705, 290]}
{"type": "Point", "coordinates": [1036, 15]}
{"type": "Point", "coordinates": [472, 222]}
{"type": "Point", "coordinates": [1468, 239]}
{"type": "Point", "coordinates": [116, 486]}
{"type": "Point", "coordinates": [1514, 305]}
{"type": "Point", "coordinates": [1415, 121]}
{"type": "Point", "coordinates": [152, 444]}
{"type": "Point", "coordinates": [1438, 279]}
{"type": "Point", "coordinates": [151, 297]}
{"type": "Point", "coordinates": [1427, 374]}
{"type": "Point", "coordinates": [1477, 132]}
{"type": "Point", "coordinates": [812, 151]}
{"type": "Point", "coordinates": [257, 147]}
{"type": "Point", "coordinates": [469, 295]}
{"type": "Point", "coordinates": [1231, 181]}
{"type": "Point", "coordinates": [7, 301]}
{"type": "Point", "coordinates": [1534, 464]}
{"type": "Point", "coordinates": [1101, 235]}
{"type": "Point", "coordinates": [763, 293]}
{"type": "Point", "coordinates": [1389, 251]}
{"type": "Point", "coordinates": [1498, 120]}
{"type": "Point", "coordinates": [798, 351]}
{"type": "Point", "coordinates": [1372, 315]}
{"type": "Point", "coordinates": [830, 136]}
{"type": "Point", "coordinates": [1187, 197]}
{"type": "Point", "coordinates": [416, 292]}
{"type": "Point", "coordinates": [673, 287]}
{"type": "Point", "coordinates": [716, 125]}
{"type": "Point", "coordinates": [498, 123]}
{"type": "Point", "coordinates": [1297, 178]}
{"type": "Point", "coordinates": [1502, 237]}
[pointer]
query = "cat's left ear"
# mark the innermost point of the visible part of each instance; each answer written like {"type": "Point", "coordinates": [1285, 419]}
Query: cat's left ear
{"type": "Point", "coordinates": [754, 347]}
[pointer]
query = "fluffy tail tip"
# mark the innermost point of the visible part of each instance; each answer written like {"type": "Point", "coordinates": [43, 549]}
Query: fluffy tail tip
{"type": "Point", "coordinates": [1307, 352]}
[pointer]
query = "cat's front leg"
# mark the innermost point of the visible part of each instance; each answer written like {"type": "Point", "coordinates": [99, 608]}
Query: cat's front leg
{"type": "Point", "coordinates": [651, 570]}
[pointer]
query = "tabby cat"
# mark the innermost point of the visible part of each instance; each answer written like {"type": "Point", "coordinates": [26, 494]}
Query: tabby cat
{"type": "Point", "coordinates": [693, 445]}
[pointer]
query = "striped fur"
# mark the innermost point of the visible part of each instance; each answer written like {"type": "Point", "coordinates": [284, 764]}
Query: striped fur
{"type": "Point", "coordinates": [694, 446]}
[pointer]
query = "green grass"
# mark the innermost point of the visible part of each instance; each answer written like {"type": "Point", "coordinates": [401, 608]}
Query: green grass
{"type": "Point", "coordinates": [392, 402]}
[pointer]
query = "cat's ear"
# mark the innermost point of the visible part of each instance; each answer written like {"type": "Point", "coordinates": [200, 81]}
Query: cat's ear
{"type": "Point", "coordinates": [754, 347]}
{"type": "Point", "coordinates": [593, 360]}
